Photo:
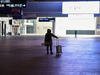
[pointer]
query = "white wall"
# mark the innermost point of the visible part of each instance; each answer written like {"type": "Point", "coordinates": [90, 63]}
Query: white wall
{"type": "Point", "coordinates": [41, 27]}
{"type": "Point", "coordinates": [74, 22]}
{"type": "Point", "coordinates": [86, 7]}
{"type": "Point", "coordinates": [81, 22]}
{"type": "Point", "coordinates": [60, 26]}
{"type": "Point", "coordinates": [6, 19]}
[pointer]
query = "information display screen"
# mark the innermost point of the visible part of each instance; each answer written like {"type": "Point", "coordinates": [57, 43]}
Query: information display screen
{"type": "Point", "coordinates": [12, 3]}
{"type": "Point", "coordinates": [81, 7]}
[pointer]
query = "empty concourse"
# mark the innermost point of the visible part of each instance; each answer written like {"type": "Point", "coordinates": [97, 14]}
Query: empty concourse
{"type": "Point", "coordinates": [74, 23]}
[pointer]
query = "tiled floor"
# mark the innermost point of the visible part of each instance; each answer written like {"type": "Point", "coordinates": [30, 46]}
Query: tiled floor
{"type": "Point", "coordinates": [26, 56]}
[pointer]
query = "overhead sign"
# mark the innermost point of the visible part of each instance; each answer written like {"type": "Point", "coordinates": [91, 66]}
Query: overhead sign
{"type": "Point", "coordinates": [80, 7]}
{"type": "Point", "coordinates": [12, 3]}
{"type": "Point", "coordinates": [46, 19]}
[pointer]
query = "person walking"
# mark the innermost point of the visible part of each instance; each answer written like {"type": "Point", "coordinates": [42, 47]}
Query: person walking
{"type": "Point", "coordinates": [75, 33]}
{"type": "Point", "coordinates": [48, 40]}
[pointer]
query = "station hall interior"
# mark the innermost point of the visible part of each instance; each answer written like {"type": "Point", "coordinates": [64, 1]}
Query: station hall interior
{"type": "Point", "coordinates": [62, 17]}
{"type": "Point", "coordinates": [24, 23]}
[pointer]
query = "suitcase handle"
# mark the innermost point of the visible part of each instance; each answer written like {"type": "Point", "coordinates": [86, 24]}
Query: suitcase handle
{"type": "Point", "coordinates": [57, 42]}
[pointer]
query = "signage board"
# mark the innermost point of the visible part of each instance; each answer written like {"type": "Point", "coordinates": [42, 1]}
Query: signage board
{"type": "Point", "coordinates": [12, 3]}
{"type": "Point", "coordinates": [80, 7]}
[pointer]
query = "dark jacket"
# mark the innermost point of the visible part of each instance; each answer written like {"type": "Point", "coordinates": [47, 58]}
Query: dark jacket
{"type": "Point", "coordinates": [48, 38]}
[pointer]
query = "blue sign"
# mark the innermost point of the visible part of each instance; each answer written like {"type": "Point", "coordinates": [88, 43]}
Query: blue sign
{"type": "Point", "coordinates": [96, 15]}
{"type": "Point", "coordinates": [46, 19]}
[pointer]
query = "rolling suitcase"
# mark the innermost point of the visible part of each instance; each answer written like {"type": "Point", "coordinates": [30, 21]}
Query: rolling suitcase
{"type": "Point", "coordinates": [58, 48]}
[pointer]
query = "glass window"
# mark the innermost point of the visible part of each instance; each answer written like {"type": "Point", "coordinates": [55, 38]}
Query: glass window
{"type": "Point", "coordinates": [30, 29]}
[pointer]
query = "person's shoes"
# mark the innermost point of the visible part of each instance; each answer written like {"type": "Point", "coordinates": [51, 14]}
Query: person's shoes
{"type": "Point", "coordinates": [47, 53]}
{"type": "Point", "coordinates": [51, 53]}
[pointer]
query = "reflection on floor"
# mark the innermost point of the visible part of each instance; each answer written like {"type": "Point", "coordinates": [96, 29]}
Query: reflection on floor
{"type": "Point", "coordinates": [26, 56]}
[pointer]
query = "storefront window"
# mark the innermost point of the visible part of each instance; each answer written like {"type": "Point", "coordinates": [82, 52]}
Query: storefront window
{"type": "Point", "coordinates": [30, 29]}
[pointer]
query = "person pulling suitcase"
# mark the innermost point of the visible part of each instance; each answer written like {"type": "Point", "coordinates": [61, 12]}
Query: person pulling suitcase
{"type": "Point", "coordinates": [48, 41]}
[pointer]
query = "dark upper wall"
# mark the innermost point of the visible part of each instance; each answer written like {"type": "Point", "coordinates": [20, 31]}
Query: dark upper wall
{"type": "Point", "coordinates": [37, 9]}
{"type": "Point", "coordinates": [63, 0]}
{"type": "Point", "coordinates": [43, 9]}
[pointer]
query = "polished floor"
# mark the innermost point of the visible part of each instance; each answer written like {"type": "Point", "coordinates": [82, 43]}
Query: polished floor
{"type": "Point", "coordinates": [26, 56]}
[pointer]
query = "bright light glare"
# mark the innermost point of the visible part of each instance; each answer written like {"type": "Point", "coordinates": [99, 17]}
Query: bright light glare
{"type": "Point", "coordinates": [80, 7]}
{"type": "Point", "coordinates": [60, 26]}
{"type": "Point", "coordinates": [80, 22]}
{"type": "Point", "coordinates": [74, 22]}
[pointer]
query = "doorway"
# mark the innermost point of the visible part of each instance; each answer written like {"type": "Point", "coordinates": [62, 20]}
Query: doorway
{"type": "Point", "coordinates": [2, 28]}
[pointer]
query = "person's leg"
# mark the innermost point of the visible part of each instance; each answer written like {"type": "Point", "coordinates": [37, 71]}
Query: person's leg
{"type": "Point", "coordinates": [47, 49]}
{"type": "Point", "coordinates": [51, 49]}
